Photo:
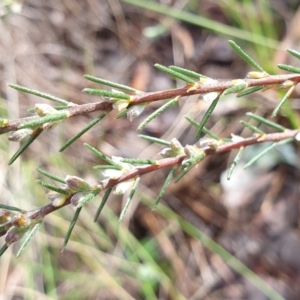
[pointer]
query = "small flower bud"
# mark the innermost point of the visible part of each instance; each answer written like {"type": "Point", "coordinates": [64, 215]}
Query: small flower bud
{"type": "Point", "coordinates": [175, 149]}
{"type": "Point", "coordinates": [50, 125]}
{"type": "Point", "coordinates": [21, 220]}
{"type": "Point", "coordinates": [210, 97]}
{"type": "Point", "coordinates": [236, 138]}
{"type": "Point", "coordinates": [75, 199]}
{"type": "Point", "coordinates": [122, 187]}
{"type": "Point", "coordinates": [44, 109]}
{"type": "Point", "coordinates": [257, 75]}
{"type": "Point", "coordinates": [238, 81]}
{"type": "Point", "coordinates": [135, 111]}
{"type": "Point", "coordinates": [287, 84]}
{"type": "Point", "coordinates": [14, 234]}
{"type": "Point", "coordinates": [120, 105]}
{"type": "Point", "coordinates": [56, 198]}
{"type": "Point", "coordinates": [5, 216]}
{"type": "Point", "coordinates": [77, 184]}
{"type": "Point", "coordinates": [20, 134]}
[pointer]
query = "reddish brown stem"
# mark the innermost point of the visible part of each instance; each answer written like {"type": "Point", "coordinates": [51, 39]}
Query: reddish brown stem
{"type": "Point", "coordinates": [162, 95]}
{"type": "Point", "coordinates": [40, 213]}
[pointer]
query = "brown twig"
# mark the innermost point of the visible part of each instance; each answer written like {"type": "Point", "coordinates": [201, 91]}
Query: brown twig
{"type": "Point", "coordinates": [41, 212]}
{"type": "Point", "coordinates": [162, 95]}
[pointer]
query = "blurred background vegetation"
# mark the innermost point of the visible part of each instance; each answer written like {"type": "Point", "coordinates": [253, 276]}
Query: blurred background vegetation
{"type": "Point", "coordinates": [49, 46]}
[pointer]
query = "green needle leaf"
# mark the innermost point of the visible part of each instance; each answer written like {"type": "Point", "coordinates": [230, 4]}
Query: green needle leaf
{"type": "Point", "coordinates": [173, 73]}
{"type": "Point", "coordinates": [3, 249]}
{"type": "Point", "coordinates": [105, 93]}
{"type": "Point", "coordinates": [12, 208]}
{"type": "Point", "coordinates": [29, 235]}
{"type": "Point", "coordinates": [111, 84]}
{"type": "Point", "coordinates": [249, 91]}
{"type": "Point", "coordinates": [204, 129]}
{"type": "Point", "coordinates": [139, 161]}
{"type": "Point", "coordinates": [294, 53]}
{"type": "Point", "coordinates": [122, 114]}
{"type": "Point", "coordinates": [206, 116]}
{"type": "Point", "coordinates": [104, 199]}
{"type": "Point", "coordinates": [51, 176]}
{"type": "Point", "coordinates": [245, 56]}
{"type": "Point", "coordinates": [235, 162]}
{"type": "Point", "coordinates": [252, 128]}
{"type": "Point", "coordinates": [235, 89]}
{"type": "Point", "coordinates": [289, 68]}
{"type": "Point", "coordinates": [266, 150]}
{"type": "Point", "coordinates": [187, 72]}
{"type": "Point", "coordinates": [73, 222]}
{"type": "Point", "coordinates": [51, 187]}
{"type": "Point", "coordinates": [102, 156]}
{"type": "Point", "coordinates": [25, 145]}
{"type": "Point", "coordinates": [158, 112]}
{"type": "Point", "coordinates": [163, 189]}
{"type": "Point", "coordinates": [133, 190]}
{"type": "Point", "coordinates": [278, 106]}
{"type": "Point", "coordinates": [39, 94]}
{"type": "Point", "coordinates": [89, 197]}
{"type": "Point", "coordinates": [154, 140]}
{"type": "Point", "coordinates": [46, 119]}
{"type": "Point", "coordinates": [265, 121]}
{"type": "Point", "coordinates": [81, 132]}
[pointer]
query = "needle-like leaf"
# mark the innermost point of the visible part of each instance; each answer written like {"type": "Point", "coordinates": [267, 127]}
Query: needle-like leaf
{"type": "Point", "coordinates": [81, 132]}
{"type": "Point", "coordinates": [103, 201]}
{"type": "Point", "coordinates": [245, 56]}
{"type": "Point", "coordinates": [71, 227]}
{"type": "Point", "coordinates": [26, 144]}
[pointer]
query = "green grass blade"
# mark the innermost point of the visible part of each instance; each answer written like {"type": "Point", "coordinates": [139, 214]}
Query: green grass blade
{"type": "Point", "coordinates": [215, 248]}
{"type": "Point", "coordinates": [26, 144]}
{"type": "Point", "coordinates": [81, 132]}
{"type": "Point", "coordinates": [205, 23]}
{"type": "Point", "coordinates": [245, 56]}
